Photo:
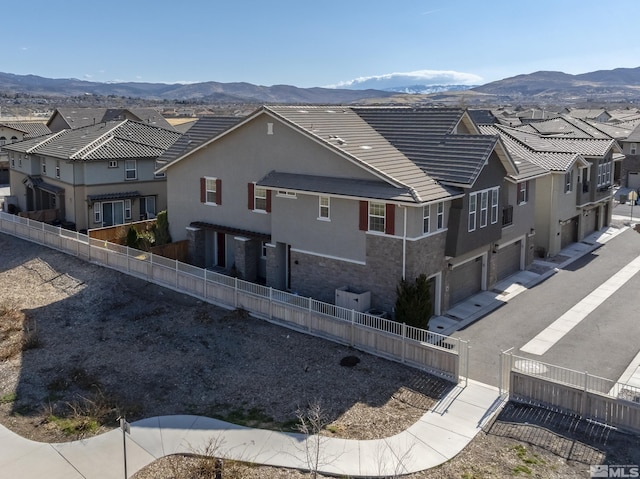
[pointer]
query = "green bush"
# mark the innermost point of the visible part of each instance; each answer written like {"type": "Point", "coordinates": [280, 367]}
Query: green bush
{"type": "Point", "coordinates": [162, 229]}
{"type": "Point", "coordinates": [413, 302]}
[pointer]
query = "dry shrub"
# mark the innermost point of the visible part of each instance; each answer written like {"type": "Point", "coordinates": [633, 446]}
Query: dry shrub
{"type": "Point", "coordinates": [17, 332]}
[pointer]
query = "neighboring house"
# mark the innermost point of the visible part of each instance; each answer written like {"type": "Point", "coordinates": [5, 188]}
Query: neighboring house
{"type": "Point", "coordinates": [10, 132]}
{"type": "Point", "coordinates": [95, 176]}
{"type": "Point", "coordinates": [597, 114]}
{"type": "Point", "coordinates": [575, 199]}
{"type": "Point", "coordinates": [631, 164]}
{"type": "Point", "coordinates": [71, 118]}
{"type": "Point", "coordinates": [330, 200]}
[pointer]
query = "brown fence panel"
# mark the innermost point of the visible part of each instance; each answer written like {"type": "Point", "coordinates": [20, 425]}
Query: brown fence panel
{"type": "Point", "coordinates": [178, 250]}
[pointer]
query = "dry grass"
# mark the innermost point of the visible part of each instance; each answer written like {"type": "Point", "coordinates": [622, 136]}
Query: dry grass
{"type": "Point", "coordinates": [17, 332]}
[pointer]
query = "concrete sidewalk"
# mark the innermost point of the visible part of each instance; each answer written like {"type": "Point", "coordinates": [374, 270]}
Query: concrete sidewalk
{"type": "Point", "coordinates": [483, 303]}
{"type": "Point", "coordinates": [437, 437]}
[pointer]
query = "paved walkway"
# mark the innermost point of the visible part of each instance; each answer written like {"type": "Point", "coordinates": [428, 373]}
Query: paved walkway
{"type": "Point", "coordinates": [438, 436]}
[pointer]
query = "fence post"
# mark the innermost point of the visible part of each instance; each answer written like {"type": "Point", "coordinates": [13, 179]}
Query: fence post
{"type": "Point", "coordinates": [204, 285]}
{"type": "Point", "coordinates": [404, 343]}
{"type": "Point", "coordinates": [151, 265]}
{"type": "Point", "coordinates": [235, 293]}
{"type": "Point", "coordinates": [309, 313]}
{"type": "Point", "coordinates": [176, 274]}
{"type": "Point", "coordinates": [353, 326]}
{"type": "Point", "coordinates": [270, 302]}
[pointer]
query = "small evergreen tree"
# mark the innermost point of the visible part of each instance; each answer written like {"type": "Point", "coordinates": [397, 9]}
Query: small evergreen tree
{"type": "Point", "coordinates": [132, 238]}
{"type": "Point", "coordinates": [413, 302]}
{"type": "Point", "coordinates": [162, 229]}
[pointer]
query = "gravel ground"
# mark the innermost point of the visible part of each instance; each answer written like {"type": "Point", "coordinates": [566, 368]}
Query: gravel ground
{"type": "Point", "coordinates": [81, 344]}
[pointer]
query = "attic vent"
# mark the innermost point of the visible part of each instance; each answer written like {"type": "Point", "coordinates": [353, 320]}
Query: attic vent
{"type": "Point", "coordinates": [269, 128]}
{"type": "Point", "coordinates": [331, 111]}
{"type": "Point", "coordinates": [365, 147]}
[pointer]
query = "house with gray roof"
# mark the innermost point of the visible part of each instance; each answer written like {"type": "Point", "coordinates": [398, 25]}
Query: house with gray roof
{"type": "Point", "coordinates": [94, 176]}
{"type": "Point", "coordinates": [12, 131]}
{"type": "Point", "coordinates": [575, 198]}
{"type": "Point", "coordinates": [69, 118]}
{"type": "Point", "coordinates": [321, 200]}
{"type": "Point", "coordinates": [631, 164]}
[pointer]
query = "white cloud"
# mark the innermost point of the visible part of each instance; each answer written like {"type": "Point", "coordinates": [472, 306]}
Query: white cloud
{"type": "Point", "coordinates": [419, 77]}
{"type": "Point", "coordinates": [88, 76]}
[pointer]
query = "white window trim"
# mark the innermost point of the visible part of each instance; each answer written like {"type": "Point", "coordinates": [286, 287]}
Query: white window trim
{"type": "Point", "coordinates": [568, 182]}
{"type": "Point", "coordinates": [97, 213]}
{"type": "Point", "coordinates": [127, 170]}
{"type": "Point", "coordinates": [156, 174]}
{"type": "Point", "coordinates": [383, 216]}
{"type": "Point", "coordinates": [256, 189]}
{"type": "Point", "coordinates": [484, 208]}
{"type": "Point", "coordinates": [523, 193]}
{"type": "Point", "coordinates": [426, 219]}
{"type": "Point", "coordinates": [495, 205]}
{"type": "Point", "coordinates": [440, 216]}
{"type": "Point", "coordinates": [127, 209]}
{"type": "Point", "coordinates": [327, 207]}
{"type": "Point", "coordinates": [207, 179]}
{"type": "Point", "coordinates": [286, 194]}
{"type": "Point", "coordinates": [473, 212]}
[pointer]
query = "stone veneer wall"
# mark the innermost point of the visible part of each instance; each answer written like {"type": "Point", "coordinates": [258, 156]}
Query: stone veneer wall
{"type": "Point", "coordinates": [247, 253]}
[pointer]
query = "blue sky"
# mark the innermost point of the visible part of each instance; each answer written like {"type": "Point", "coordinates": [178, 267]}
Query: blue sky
{"type": "Point", "coordinates": [317, 43]}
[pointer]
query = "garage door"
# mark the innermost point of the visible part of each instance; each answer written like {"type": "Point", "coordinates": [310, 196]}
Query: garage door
{"type": "Point", "coordinates": [633, 180]}
{"type": "Point", "coordinates": [569, 233]}
{"type": "Point", "coordinates": [590, 221]}
{"type": "Point", "coordinates": [465, 280]}
{"type": "Point", "coordinates": [508, 260]}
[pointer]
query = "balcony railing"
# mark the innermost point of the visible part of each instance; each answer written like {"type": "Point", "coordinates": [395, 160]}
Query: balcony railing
{"type": "Point", "coordinates": [507, 216]}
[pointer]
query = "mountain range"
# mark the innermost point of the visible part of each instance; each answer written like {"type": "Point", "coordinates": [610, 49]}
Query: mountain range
{"type": "Point", "coordinates": [620, 84]}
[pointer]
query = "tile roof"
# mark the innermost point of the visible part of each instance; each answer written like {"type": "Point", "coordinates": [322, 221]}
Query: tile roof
{"type": "Point", "coordinates": [634, 136]}
{"type": "Point", "coordinates": [204, 129]}
{"type": "Point", "coordinates": [336, 186]}
{"type": "Point", "coordinates": [103, 141]}
{"type": "Point", "coordinates": [31, 129]}
{"type": "Point", "coordinates": [80, 117]}
{"type": "Point", "coordinates": [345, 131]}
{"type": "Point", "coordinates": [532, 148]}
{"type": "Point", "coordinates": [427, 137]}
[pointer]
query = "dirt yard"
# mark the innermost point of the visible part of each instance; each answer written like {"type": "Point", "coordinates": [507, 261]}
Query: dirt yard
{"type": "Point", "coordinates": [82, 345]}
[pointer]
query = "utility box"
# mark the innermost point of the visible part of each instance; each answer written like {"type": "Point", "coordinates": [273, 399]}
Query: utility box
{"type": "Point", "coordinates": [350, 298]}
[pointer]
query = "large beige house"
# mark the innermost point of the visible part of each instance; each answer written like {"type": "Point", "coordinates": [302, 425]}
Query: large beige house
{"type": "Point", "coordinates": [94, 176]}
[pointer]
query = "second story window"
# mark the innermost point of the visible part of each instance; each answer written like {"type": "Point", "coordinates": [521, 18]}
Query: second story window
{"type": "Point", "coordinates": [523, 192]}
{"type": "Point", "coordinates": [440, 216]}
{"type": "Point", "coordinates": [57, 168]}
{"type": "Point", "coordinates": [210, 191]}
{"type": "Point", "coordinates": [44, 166]}
{"type": "Point", "coordinates": [130, 170]}
{"type": "Point", "coordinates": [494, 206]}
{"type": "Point", "coordinates": [3, 140]}
{"type": "Point", "coordinates": [604, 173]}
{"type": "Point", "coordinates": [473, 205]}
{"type": "Point", "coordinates": [113, 163]}
{"type": "Point", "coordinates": [568, 181]}
{"type": "Point", "coordinates": [633, 148]}
{"type": "Point", "coordinates": [479, 200]}
{"type": "Point", "coordinates": [484, 208]}
{"type": "Point", "coordinates": [426, 211]}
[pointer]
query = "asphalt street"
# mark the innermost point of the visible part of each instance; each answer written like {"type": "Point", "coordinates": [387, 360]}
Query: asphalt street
{"type": "Point", "coordinates": [602, 344]}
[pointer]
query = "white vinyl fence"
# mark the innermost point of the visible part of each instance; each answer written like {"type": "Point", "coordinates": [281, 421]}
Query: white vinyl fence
{"type": "Point", "coordinates": [432, 352]}
{"type": "Point", "coordinates": [572, 392]}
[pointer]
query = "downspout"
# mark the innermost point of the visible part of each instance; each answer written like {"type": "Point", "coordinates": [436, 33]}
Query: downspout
{"type": "Point", "coordinates": [404, 245]}
{"type": "Point", "coordinates": [551, 230]}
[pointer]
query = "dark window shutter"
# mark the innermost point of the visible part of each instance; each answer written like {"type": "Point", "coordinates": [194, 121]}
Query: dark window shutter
{"type": "Point", "coordinates": [218, 191]}
{"type": "Point", "coordinates": [251, 196]}
{"type": "Point", "coordinates": [203, 190]}
{"type": "Point", "coordinates": [390, 219]}
{"type": "Point", "coordinates": [364, 215]}
{"type": "Point", "coordinates": [268, 201]}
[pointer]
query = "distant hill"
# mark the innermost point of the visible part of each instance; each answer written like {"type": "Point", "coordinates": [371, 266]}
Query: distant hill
{"type": "Point", "coordinates": [621, 84]}
{"type": "Point", "coordinates": [205, 92]}
{"type": "Point", "coordinates": [618, 85]}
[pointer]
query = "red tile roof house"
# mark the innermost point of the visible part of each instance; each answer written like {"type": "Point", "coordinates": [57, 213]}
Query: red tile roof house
{"type": "Point", "coordinates": [319, 200]}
